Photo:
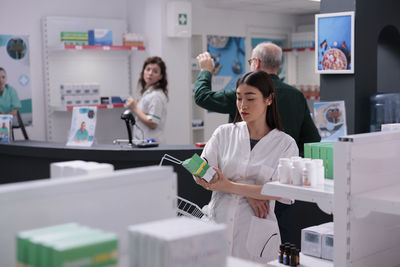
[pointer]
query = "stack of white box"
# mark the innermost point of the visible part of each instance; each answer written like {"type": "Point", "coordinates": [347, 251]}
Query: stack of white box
{"type": "Point", "coordinates": [76, 94]}
{"type": "Point", "coordinates": [303, 39]}
{"type": "Point", "coordinates": [78, 167]}
{"type": "Point", "coordinates": [317, 241]}
{"type": "Point", "coordinates": [178, 242]}
{"type": "Point", "coordinates": [390, 127]}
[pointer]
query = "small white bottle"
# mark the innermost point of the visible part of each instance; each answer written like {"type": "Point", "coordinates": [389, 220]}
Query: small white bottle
{"type": "Point", "coordinates": [319, 165]}
{"type": "Point", "coordinates": [284, 168]}
{"type": "Point", "coordinates": [297, 172]}
{"type": "Point", "coordinates": [309, 174]}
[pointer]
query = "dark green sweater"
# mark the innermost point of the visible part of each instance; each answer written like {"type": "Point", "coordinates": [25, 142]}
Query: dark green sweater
{"type": "Point", "coordinates": [292, 106]}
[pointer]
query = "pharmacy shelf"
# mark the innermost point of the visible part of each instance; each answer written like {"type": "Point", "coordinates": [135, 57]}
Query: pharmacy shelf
{"type": "Point", "coordinates": [305, 261]}
{"type": "Point", "coordinates": [100, 106]}
{"type": "Point", "coordinates": [97, 47]}
{"type": "Point", "coordinates": [321, 195]}
{"type": "Point", "coordinates": [384, 200]}
{"type": "Point", "coordinates": [304, 49]}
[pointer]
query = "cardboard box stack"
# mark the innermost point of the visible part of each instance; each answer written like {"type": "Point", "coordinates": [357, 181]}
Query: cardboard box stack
{"type": "Point", "coordinates": [77, 94]}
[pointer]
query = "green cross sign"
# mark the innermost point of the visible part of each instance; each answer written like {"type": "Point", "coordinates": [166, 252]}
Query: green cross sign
{"type": "Point", "coordinates": [182, 18]}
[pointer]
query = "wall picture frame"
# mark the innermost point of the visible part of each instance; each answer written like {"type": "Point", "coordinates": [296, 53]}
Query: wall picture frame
{"type": "Point", "coordinates": [334, 43]}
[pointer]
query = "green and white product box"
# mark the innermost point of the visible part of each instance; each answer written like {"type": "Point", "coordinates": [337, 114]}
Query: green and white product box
{"type": "Point", "coordinates": [199, 167]}
{"type": "Point", "coordinates": [96, 250]}
{"type": "Point", "coordinates": [324, 151]}
{"type": "Point", "coordinates": [41, 244]}
{"type": "Point", "coordinates": [24, 237]}
{"type": "Point", "coordinates": [74, 35]}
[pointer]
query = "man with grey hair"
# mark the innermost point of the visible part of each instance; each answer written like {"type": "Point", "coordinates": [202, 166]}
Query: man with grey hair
{"type": "Point", "coordinates": [292, 106]}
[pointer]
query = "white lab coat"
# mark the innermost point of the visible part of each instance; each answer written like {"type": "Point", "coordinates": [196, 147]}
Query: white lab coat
{"type": "Point", "coordinates": [229, 150]}
{"type": "Point", "coordinates": [153, 103]}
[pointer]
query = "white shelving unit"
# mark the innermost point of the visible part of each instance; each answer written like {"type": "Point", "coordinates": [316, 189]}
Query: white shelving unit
{"type": "Point", "coordinates": [305, 261]}
{"type": "Point", "coordinates": [322, 195]}
{"type": "Point", "coordinates": [109, 66]}
{"type": "Point", "coordinates": [366, 199]}
{"type": "Point", "coordinates": [384, 200]}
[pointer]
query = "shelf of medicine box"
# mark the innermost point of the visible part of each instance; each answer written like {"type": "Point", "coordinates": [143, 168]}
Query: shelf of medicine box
{"type": "Point", "coordinates": [305, 261]}
{"type": "Point", "coordinates": [383, 200]}
{"type": "Point", "coordinates": [300, 49]}
{"type": "Point", "coordinates": [99, 106]}
{"type": "Point", "coordinates": [97, 48]}
{"type": "Point", "coordinates": [322, 195]}
{"type": "Point", "coordinates": [197, 127]}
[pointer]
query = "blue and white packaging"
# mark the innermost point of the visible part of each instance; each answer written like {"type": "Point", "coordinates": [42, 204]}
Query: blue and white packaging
{"type": "Point", "coordinates": [5, 128]}
{"type": "Point", "coordinates": [100, 37]}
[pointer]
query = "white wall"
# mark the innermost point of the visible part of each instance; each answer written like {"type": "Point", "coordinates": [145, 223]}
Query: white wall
{"type": "Point", "coordinates": [149, 17]}
{"type": "Point", "coordinates": [23, 17]}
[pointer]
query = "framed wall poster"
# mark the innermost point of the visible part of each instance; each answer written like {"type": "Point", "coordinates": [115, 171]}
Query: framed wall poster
{"type": "Point", "coordinates": [229, 57]}
{"type": "Point", "coordinates": [14, 59]}
{"type": "Point", "coordinates": [334, 46]}
{"type": "Point", "coordinates": [83, 126]}
{"type": "Point", "coordinates": [330, 120]}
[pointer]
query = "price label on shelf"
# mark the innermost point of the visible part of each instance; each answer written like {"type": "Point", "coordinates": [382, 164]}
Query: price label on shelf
{"type": "Point", "coordinates": [78, 47]}
{"type": "Point", "coordinates": [106, 48]}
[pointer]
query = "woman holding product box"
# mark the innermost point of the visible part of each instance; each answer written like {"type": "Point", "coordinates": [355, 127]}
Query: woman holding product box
{"type": "Point", "coordinates": [151, 109]}
{"type": "Point", "coordinates": [9, 101]}
{"type": "Point", "coordinates": [245, 155]}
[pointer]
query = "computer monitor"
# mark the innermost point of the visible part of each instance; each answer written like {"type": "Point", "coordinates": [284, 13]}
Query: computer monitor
{"type": "Point", "coordinates": [110, 202]}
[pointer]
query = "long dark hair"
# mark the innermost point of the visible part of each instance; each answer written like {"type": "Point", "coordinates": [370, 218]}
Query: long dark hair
{"type": "Point", "coordinates": [161, 84]}
{"type": "Point", "coordinates": [263, 82]}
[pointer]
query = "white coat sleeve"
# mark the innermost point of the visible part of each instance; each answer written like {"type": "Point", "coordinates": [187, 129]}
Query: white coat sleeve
{"type": "Point", "coordinates": [156, 107]}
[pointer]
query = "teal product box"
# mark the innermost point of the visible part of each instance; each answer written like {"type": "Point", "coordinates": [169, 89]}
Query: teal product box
{"type": "Point", "coordinates": [100, 37]}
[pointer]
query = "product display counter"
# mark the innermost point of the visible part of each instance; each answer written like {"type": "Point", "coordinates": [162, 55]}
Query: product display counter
{"type": "Point", "coordinates": [30, 160]}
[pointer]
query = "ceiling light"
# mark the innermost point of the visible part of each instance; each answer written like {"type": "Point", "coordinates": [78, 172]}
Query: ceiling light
{"type": "Point", "coordinates": [315, 0]}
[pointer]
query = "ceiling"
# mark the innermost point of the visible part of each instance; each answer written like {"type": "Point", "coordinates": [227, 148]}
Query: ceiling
{"type": "Point", "coordinates": [294, 7]}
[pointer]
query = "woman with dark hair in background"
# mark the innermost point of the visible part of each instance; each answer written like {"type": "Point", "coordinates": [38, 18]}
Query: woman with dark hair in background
{"type": "Point", "coordinates": [150, 109]}
{"type": "Point", "coordinates": [245, 155]}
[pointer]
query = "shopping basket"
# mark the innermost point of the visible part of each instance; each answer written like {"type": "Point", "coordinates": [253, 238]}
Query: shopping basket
{"type": "Point", "coordinates": [184, 206]}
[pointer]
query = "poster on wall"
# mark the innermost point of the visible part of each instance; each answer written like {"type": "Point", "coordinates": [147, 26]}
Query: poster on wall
{"type": "Point", "coordinates": [334, 46]}
{"type": "Point", "coordinates": [14, 61]}
{"type": "Point", "coordinates": [330, 120]}
{"type": "Point", "coordinates": [229, 58]}
{"type": "Point", "coordinates": [83, 126]}
{"type": "Point", "coordinates": [5, 128]}
{"type": "Point", "coordinates": [279, 42]}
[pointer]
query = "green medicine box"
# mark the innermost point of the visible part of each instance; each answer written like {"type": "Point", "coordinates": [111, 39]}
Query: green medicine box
{"type": "Point", "coordinates": [40, 244]}
{"type": "Point", "coordinates": [199, 167]}
{"type": "Point", "coordinates": [24, 239]}
{"type": "Point", "coordinates": [91, 250]}
{"type": "Point", "coordinates": [324, 151]}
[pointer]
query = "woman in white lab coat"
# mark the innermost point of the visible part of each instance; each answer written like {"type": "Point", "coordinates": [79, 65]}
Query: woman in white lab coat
{"type": "Point", "coordinates": [151, 109]}
{"type": "Point", "coordinates": [245, 155]}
